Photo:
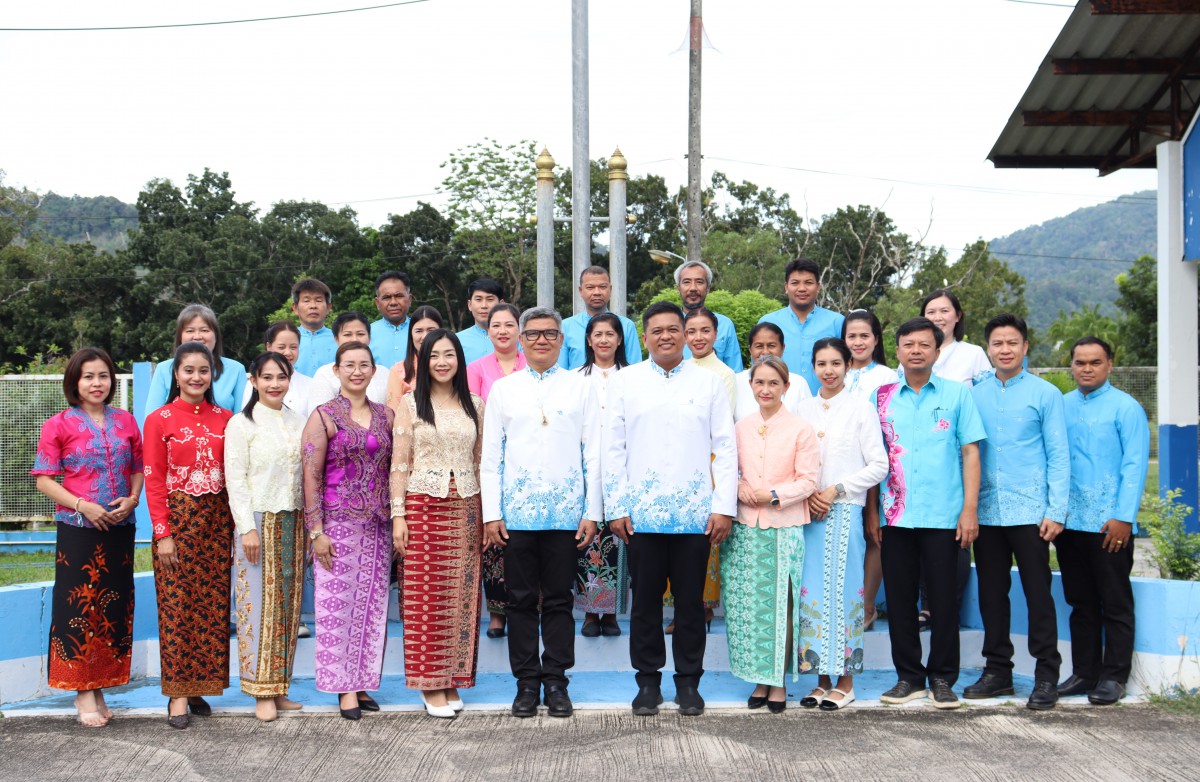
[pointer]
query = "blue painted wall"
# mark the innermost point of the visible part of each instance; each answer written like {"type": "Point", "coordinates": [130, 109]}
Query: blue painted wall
{"type": "Point", "coordinates": [1178, 455]}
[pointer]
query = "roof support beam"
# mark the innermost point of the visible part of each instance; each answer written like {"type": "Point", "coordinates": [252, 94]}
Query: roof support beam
{"type": "Point", "coordinates": [1061, 161]}
{"type": "Point", "coordinates": [1113, 66]}
{"type": "Point", "coordinates": [1044, 118]}
{"type": "Point", "coordinates": [1101, 7]}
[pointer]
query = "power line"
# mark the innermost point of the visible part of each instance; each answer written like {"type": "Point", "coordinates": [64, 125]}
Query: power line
{"type": "Point", "coordinates": [204, 24]}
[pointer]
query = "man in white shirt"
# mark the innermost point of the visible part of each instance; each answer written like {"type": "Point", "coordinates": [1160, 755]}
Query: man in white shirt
{"type": "Point", "coordinates": [541, 485]}
{"type": "Point", "coordinates": [670, 492]}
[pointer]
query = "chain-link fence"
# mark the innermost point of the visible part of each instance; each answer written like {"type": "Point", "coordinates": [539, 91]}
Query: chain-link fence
{"type": "Point", "coordinates": [1139, 382]}
{"type": "Point", "coordinates": [26, 401]}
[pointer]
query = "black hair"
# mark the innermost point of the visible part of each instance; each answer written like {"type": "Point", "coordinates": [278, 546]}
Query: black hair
{"type": "Point", "coordinates": [422, 395]}
{"type": "Point", "coordinates": [74, 372]}
{"type": "Point", "coordinates": [701, 312]}
{"type": "Point", "coordinates": [660, 308]}
{"type": "Point", "coordinates": [277, 328]}
{"type": "Point", "coordinates": [346, 347]}
{"type": "Point", "coordinates": [920, 324]}
{"type": "Point", "coordinates": [769, 326]}
{"type": "Point", "coordinates": [504, 306]}
{"type": "Point", "coordinates": [349, 317]}
{"type": "Point", "coordinates": [831, 342]}
{"type": "Point", "coordinates": [877, 355]}
{"type": "Point", "coordinates": [1006, 320]}
{"type": "Point", "coordinates": [187, 349]}
{"type": "Point", "coordinates": [1089, 340]}
{"type": "Point", "coordinates": [424, 312]}
{"type": "Point", "coordinates": [256, 366]}
{"type": "Point", "coordinates": [593, 269]}
{"type": "Point", "coordinates": [311, 285]}
{"type": "Point", "coordinates": [802, 265]}
{"type": "Point", "coordinates": [960, 328]}
{"type": "Point", "coordinates": [485, 285]}
{"type": "Point", "coordinates": [392, 275]}
{"type": "Point", "coordinates": [589, 355]}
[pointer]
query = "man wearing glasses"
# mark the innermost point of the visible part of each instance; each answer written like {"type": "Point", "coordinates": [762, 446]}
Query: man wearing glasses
{"type": "Point", "coordinates": [540, 479]}
{"type": "Point", "coordinates": [389, 334]}
{"type": "Point", "coordinates": [670, 492]}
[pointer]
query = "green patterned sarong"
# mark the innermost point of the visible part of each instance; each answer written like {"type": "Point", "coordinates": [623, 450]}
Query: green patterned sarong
{"type": "Point", "coordinates": [757, 567]}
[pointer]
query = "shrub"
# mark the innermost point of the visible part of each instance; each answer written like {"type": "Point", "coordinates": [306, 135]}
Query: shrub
{"type": "Point", "coordinates": [1176, 551]}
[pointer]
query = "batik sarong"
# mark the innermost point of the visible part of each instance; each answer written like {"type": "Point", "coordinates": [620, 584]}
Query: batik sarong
{"type": "Point", "coordinates": [602, 576]}
{"type": "Point", "coordinates": [831, 601]}
{"type": "Point", "coordinates": [267, 603]}
{"type": "Point", "coordinates": [91, 626]}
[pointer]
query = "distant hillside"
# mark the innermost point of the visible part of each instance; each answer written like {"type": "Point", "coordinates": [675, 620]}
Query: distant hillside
{"type": "Point", "coordinates": [1071, 261]}
{"type": "Point", "coordinates": [102, 220]}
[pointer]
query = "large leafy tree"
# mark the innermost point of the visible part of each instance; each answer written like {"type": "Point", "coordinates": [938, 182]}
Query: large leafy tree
{"type": "Point", "coordinates": [1137, 299]}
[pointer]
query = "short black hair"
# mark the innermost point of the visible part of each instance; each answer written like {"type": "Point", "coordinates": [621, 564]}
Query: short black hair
{"type": "Point", "coordinates": [920, 324]}
{"type": "Point", "coordinates": [1089, 340]}
{"type": "Point", "coordinates": [74, 372]}
{"type": "Point", "coordinates": [277, 328]}
{"type": "Point", "coordinates": [393, 275]}
{"type": "Point", "coordinates": [593, 269]}
{"type": "Point", "coordinates": [1006, 320]}
{"type": "Point", "coordinates": [701, 312]}
{"type": "Point", "coordinates": [802, 265]}
{"type": "Point", "coordinates": [485, 285]}
{"type": "Point", "coordinates": [349, 317]}
{"type": "Point", "coordinates": [960, 328]}
{"type": "Point", "coordinates": [662, 308]}
{"type": "Point", "coordinates": [311, 285]}
{"type": "Point", "coordinates": [831, 342]}
{"type": "Point", "coordinates": [769, 326]}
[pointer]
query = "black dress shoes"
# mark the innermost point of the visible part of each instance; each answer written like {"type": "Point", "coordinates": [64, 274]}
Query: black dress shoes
{"type": "Point", "coordinates": [689, 700]}
{"type": "Point", "coordinates": [647, 701]}
{"type": "Point", "coordinates": [353, 715]}
{"type": "Point", "coordinates": [591, 629]}
{"type": "Point", "coordinates": [178, 722]}
{"type": "Point", "coordinates": [756, 701]}
{"type": "Point", "coordinates": [1043, 697]}
{"type": "Point", "coordinates": [990, 685]}
{"type": "Point", "coordinates": [558, 703]}
{"type": "Point", "coordinates": [525, 704]}
{"type": "Point", "coordinates": [367, 703]}
{"type": "Point", "coordinates": [1107, 692]}
{"type": "Point", "coordinates": [1076, 685]}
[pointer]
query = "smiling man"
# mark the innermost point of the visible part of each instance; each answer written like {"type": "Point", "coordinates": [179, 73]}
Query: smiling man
{"type": "Point", "coordinates": [1026, 477]}
{"type": "Point", "coordinates": [541, 484]}
{"type": "Point", "coordinates": [482, 295]}
{"type": "Point", "coordinates": [929, 502]}
{"type": "Point", "coordinates": [668, 499]}
{"type": "Point", "coordinates": [802, 321]}
{"type": "Point", "coordinates": [389, 334]}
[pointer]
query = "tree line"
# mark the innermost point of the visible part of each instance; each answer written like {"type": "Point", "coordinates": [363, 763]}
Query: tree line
{"type": "Point", "coordinates": [200, 243]}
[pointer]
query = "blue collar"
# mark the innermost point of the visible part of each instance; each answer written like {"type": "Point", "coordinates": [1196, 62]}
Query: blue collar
{"type": "Point", "coordinates": [664, 373]}
{"type": "Point", "coordinates": [554, 368]}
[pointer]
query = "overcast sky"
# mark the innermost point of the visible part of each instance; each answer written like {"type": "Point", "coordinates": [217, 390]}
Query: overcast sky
{"type": "Point", "coordinates": [854, 102]}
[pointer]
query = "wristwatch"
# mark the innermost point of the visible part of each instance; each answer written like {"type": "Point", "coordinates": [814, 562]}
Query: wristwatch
{"type": "Point", "coordinates": [313, 535]}
{"type": "Point", "coordinates": [840, 489]}
{"type": "Point", "coordinates": [774, 498]}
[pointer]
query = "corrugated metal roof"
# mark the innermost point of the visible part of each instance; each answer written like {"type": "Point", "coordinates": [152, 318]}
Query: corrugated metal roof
{"type": "Point", "coordinates": [1100, 36]}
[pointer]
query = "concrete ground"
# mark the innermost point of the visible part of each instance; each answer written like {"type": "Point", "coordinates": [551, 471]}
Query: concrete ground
{"type": "Point", "coordinates": [1136, 742]}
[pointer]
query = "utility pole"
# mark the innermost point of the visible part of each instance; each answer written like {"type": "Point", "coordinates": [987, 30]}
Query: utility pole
{"type": "Point", "coordinates": [545, 229]}
{"type": "Point", "coordinates": [581, 168]}
{"type": "Point", "coordinates": [617, 221]}
{"type": "Point", "coordinates": [694, 189]}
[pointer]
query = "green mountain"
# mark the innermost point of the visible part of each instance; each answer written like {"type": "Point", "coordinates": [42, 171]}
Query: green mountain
{"type": "Point", "coordinates": [102, 220]}
{"type": "Point", "coordinates": [1072, 261]}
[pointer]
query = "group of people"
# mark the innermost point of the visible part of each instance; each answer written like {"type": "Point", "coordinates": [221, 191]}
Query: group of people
{"type": "Point", "coordinates": [540, 465]}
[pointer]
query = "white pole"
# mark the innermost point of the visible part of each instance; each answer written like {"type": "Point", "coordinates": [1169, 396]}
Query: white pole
{"type": "Point", "coordinates": [545, 229]}
{"type": "Point", "coordinates": [581, 169]}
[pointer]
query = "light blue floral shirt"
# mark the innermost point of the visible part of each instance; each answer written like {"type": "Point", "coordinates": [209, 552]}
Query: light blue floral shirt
{"type": "Point", "coordinates": [670, 454]}
{"type": "Point", "coordinates": [540, 463]}
{"type": "Point", "coordinates": [1025, 460]}
{"type": "Point", "coordinates": [1110, 451]}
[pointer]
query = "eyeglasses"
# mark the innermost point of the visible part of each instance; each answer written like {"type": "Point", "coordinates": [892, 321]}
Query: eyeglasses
{"type": "Point", "coordinates": [392, 297]}
{"type": "Point", "coordinates": [533, 335]}
{"type": "Point", "coordinates": [350, 369]}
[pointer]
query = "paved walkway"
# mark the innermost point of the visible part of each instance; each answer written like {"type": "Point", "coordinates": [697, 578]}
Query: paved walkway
{"type": "Point", "coordinates": [1005, 743]}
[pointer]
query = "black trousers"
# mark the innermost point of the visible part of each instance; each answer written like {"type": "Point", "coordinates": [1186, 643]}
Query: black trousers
{"type": "Point", "coordinates": [653, 559]}
{"type": "Point", "coordinates": [964, 575]}
{"type": "Point", "coordinates": [1096, 585]}
{"type": "Point", "coordinates": [994, 552]}
{"type": "Point", "coordinates": [907, 554]}
{"type": "Point", "coordinates": [540, 563]}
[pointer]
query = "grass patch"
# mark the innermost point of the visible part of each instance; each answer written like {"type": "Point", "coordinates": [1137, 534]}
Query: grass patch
{"type": "Point", "coordinates": [1177, 701]}
{"type": "Point", "coordinates": [28, 567]}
